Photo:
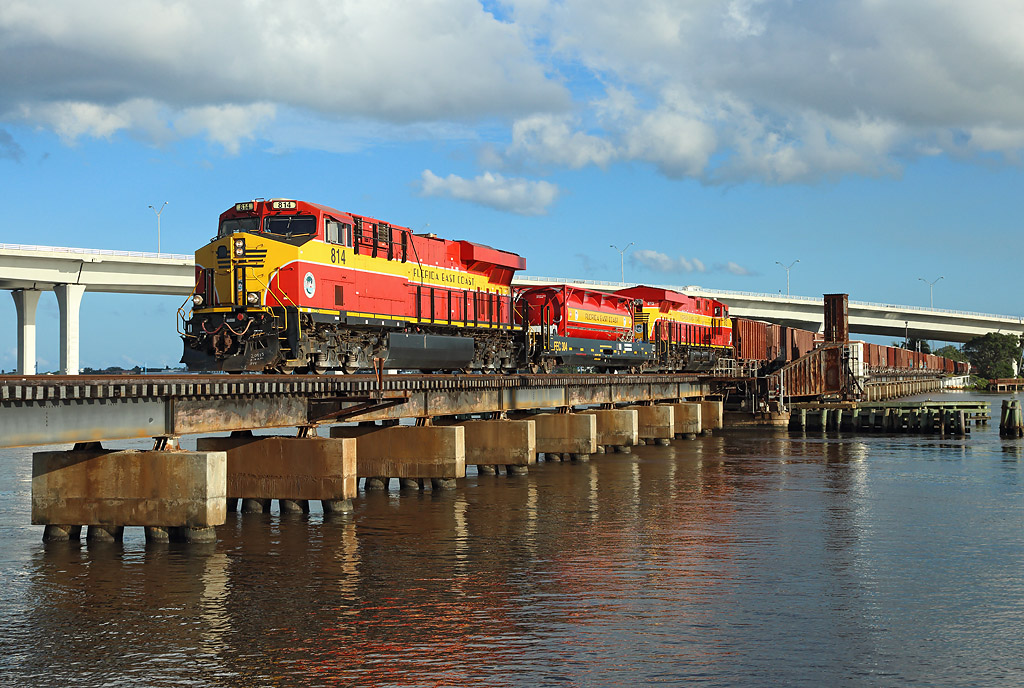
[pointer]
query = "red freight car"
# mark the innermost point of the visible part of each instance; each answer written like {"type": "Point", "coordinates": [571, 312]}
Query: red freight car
{"type": "Point", "coordinates": [570, 325]}
{"type": "Point", "coordinates": [690, 332]}
{"type": "Point", "coordinates": [750, 339]}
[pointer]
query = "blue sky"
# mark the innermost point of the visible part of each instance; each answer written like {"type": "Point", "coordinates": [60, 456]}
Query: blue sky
{"type": "Point", "coordinates": [878, 142]}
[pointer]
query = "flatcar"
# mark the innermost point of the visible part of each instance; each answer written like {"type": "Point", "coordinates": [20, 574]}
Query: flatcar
{"type": "Point", "coordinates": [292, 286]}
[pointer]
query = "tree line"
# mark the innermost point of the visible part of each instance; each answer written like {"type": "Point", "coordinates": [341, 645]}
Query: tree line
{"type": "Point", "coordinates": [992, 356]}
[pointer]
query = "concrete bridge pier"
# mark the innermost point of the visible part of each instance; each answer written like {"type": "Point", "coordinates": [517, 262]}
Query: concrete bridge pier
{"type": "Point", "coordinates": [421, 452]}
{"type": "Point", "coordinates": [687, 419]}
{"type": "Point", "coordinates": [493, 444]}
{"type": "Point", "coordinates": [571, 436]}
{"type": "Point", "coordinates": [292, 470]}
{"type": "Point", "coordinates": [710, 416]}
{"type": "Point", "coordinates": [615, 428]}
{"type": "Point", "coordinates": [25, 303]}
{"type": "Point", "coordinates": [175, 491]}
{"type": "Point", "coordinates": [69, 302]}
{"type": "Point", "coordinates": [656, 423]}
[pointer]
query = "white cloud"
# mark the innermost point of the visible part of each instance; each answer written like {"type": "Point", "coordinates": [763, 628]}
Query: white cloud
{"type": "Point", "coordinates": [661, 262]}
{"type": "Point", "coordinates": [386, 60]}
{"type": "Point", "coordinates": [768, 90]}
{"type": "Point", "coordinates": [734, 268]}
{"type": "Point", "coordinates": [227, 125]}
{"type": "Point", "coordinates": [786, 92]}
{"type": "Point", "coordinates": [549, 139]}
{"type": "Point", "coordinates": [515, 195]}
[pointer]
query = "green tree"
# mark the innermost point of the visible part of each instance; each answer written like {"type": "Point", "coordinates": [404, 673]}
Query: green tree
{"type": "Point", "coordinates": [993, 355]}
{"type": "Point", "coordinates": [952, 353]}
{"type": "Point", "coordinates": [914, 344]}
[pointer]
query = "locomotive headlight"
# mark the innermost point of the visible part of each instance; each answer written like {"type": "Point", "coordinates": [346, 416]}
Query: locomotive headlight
{"type": "Point", "coordinates": [252, 298]}
{"type": "Point", "coordinates": [239, 247]}
{"type": "Point", "coordinates": [197, 300]}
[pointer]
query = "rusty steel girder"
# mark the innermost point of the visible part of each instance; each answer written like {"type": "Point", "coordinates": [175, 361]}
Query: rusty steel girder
{"type": "Point", "coordinates": [822, 372]}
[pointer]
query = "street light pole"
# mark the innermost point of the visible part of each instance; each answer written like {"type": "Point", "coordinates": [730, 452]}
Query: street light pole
{"type": "Point", "coordinates": [622, 260]}
{"type": "Point", "coordinates": [931, 292]}
{"type": "Point", "coordinates": [158, 223]}
{"type": "Point", "coordinates": [787, 268]}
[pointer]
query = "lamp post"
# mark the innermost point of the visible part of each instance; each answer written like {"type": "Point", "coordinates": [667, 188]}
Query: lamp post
{"type": "Point", "coordinates": [622, 260]}
{"type": "Point", "coordinates": [931, 290]}
{"type": "Point", "coordinates": [787, 269]}
{"type": "Point", "coordinates": [906, 334]}
{"type": "Point", "coordinates": [158, 223]}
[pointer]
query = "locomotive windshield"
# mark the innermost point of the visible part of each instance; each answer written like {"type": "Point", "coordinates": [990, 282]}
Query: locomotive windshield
{"type": "Point", "coordinates": [290, 225]}
{"type": "Point", "coordinates": [238, 224]}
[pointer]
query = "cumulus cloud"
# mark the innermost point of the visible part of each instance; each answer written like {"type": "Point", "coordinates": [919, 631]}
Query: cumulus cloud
{"type": "Point", "coordinates": [756, 89]}
{"type": "Point", "coordinates": [515, 195]}
{"type": "Point", "coordinates": [550, 139]}
{"type": "Point", "coordinates": [735, 269]}
{"type": "Point", "coordinates": [722, 92]}
{"type": "Point", "coordinates": [79, 66]}
{"type": "Point", "coordinates": [661, 262]}
{"type": "Point", "coordinates": [664, 263]}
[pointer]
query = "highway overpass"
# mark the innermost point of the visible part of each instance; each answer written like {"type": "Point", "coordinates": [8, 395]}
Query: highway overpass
{"type": "Point", "coordinates": [69, 272]}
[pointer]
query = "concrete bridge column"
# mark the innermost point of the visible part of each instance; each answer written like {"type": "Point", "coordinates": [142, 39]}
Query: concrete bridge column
{"type": "Point", "coordinates": [177, 491]}
{"type": "Point", "coordinates": [687, 419]}
{"type": "Point", "coordinates": [491, 444]}
{"type": "Point", "coordinates": [657, 423]}
{"type": "Point", "coordinates": [25, 302]}
{"type": "Point", "coordinates": [616, 428]}
{"type": "Point", "coordinates": [292, 470]}
{"type": "Point", "coordinates": [69, 300]}
{"type": "Point", "coordinates": [423, 452]}
{"type": "Point", "coordinates": [571, 434]}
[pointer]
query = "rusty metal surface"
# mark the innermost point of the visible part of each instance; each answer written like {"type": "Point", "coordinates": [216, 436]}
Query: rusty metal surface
{"type": "Point", "coordinates": [837, 318]}
{"type": "Point", "coordinates": [816, 374]}
{"type": "Point", "coordinates": [750, 339]}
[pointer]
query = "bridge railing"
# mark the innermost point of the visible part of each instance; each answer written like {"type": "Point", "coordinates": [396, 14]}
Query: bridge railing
{"type": "Point", "coordinates": [692, 289]}
{"type": "Point", "coordinates": [95, 251]}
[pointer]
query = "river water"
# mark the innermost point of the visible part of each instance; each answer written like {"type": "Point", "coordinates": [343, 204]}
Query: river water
{"type": "Point", "coordinates": [741, 559]}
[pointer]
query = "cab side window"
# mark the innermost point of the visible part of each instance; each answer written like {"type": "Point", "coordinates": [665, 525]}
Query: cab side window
{"type": "Point", "coordinates": [338, 232]}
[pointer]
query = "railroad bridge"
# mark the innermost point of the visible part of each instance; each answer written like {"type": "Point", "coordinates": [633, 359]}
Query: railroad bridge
{"type": "Point", "coordinates": [496, 422]}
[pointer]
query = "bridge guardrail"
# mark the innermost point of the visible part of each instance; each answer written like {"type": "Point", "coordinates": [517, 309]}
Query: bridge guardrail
{"type": "Point", "coordinates": [692, 289]}
{"type": "Point", "coordinates": [95, 251]}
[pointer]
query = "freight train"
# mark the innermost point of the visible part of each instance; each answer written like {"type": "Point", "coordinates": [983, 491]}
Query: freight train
{"type": "Point", "coordinates": [290, 286]}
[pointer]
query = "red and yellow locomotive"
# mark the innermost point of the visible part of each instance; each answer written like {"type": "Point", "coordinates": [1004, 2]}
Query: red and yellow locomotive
{"type": "Point", "coordinates": [293, 286]}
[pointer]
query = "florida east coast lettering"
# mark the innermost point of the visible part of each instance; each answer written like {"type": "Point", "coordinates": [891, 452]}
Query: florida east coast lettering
{"type": "Point", "coordinates": [443, 277]}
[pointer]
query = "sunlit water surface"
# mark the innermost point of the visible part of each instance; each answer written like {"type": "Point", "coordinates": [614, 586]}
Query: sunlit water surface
{"type": "Point", "coordinates": [748, 558]}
